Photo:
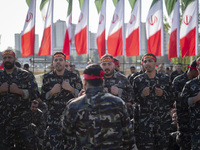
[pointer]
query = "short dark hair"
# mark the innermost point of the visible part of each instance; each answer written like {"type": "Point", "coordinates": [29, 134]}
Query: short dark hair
{"type": "Point", "coordinates": [35, 102]}
{"type": "Point", "coordinates": [94, 69]}
{"type": "Point", "coordinates": [26, 65]}
{"type": "Point", "coordinates": [132, 67]}
{"type": "Point", "coordinates": [106, 56]}
{"type": "Point", "coordinates": [180, 64]}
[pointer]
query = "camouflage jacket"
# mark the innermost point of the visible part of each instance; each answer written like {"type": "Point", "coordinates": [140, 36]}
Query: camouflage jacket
{"type": "Point", "coordinates": [14, 107]}
{"type": "Point", "coordinates": [125, 88]}
{"type": "Point", "coordinates": [181, 108]}
{"type": "Point", "coordinates": [98, 120]}
{"type": "Point", "coordinates": [57, 102]}
{"type": "Point", "coordinates": [191, 89]}
{"type": "Point", "coordinates": [153, 109]}
{"type": "Point", "coordinates": [175, 74]}
{"type": "Point", "coordinates": [133, 75]}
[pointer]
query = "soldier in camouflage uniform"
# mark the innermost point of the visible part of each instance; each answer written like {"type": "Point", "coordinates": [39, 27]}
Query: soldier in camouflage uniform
{"type": "Point", "coordinates": [191, 96]}
{"type": "Point", "coordinates": [37, 124]}
{"type": "Point", "coordinates": [97, 119]}
{"type": "Point", "coordinates": [116, 83]}
{"type": "Point", "coordinates": [59, 86]}
{"type": "Point", "coordinates": [184, 138]}
{"type": "Point", "coordinates": [177, 72]}
{"type": "Point", "coordinates": [17, 88]}
{"type": "Point", "coordinates": [152, 93]}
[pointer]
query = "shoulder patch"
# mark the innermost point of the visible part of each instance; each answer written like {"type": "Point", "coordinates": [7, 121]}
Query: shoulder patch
{"type": "Point", "coordinates": [78, 86]}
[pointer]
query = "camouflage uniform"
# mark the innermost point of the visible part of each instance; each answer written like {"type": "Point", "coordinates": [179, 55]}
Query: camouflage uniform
{"type": "Point", "coordinates": [155, 119]}
{"type": "Point", "coordinates": [175, 74]}
{"type": "Point", "coordinates": [99, 121]}
{"type": "Point", "coordinates": [191, 89]}
{"type": "Point", "coordinates": [132, 76]}
{"type": "Point", "coordinates": [120, 81]}
{"type": "Point", "coordinates": [184, 138]}
{"type": "Point", "coordinates": [38, 126]}
{"type": "Point", "coordinates": [57, 103]}
{"type": "Point", "coordinates": [14, 109]}
{"type": "Point", "coordinates": [125, 89]}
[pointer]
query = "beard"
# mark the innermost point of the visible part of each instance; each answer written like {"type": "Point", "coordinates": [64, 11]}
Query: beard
{"type": "Point", "coordinates": [8, 65]}
{"type": "Point", "coordinates": [108, 72]}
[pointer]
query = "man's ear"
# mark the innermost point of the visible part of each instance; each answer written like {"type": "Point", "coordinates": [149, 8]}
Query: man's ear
{"type": "Point", "coordinates": [85, 83]}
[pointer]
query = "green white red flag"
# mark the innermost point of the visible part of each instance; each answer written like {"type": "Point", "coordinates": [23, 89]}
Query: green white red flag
{"type": "Point", "coordinates": [172, 7]}
{"type": "Point", "coordinates": [81, 30]}
{"type": "Point", "coordinates": [115, 37]}
{"type": "Point", "coordinates": [154, 29]}
{"type": "Point", "coordinates": [46, 47]}
{"type": "Point", "coordinates": [100, 37]}
{"type": "Point", "coordinates": [189, 29]}
{"type": "Point", "coordinates": [133, 34]}
{"type": "Point", "coordinates": [28, 33]}
{"type": "Point", "coordinates": [68, 34]}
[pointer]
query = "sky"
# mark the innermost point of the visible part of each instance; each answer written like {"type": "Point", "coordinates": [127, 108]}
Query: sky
{"type": "Point", "coordinates": [13, 14]}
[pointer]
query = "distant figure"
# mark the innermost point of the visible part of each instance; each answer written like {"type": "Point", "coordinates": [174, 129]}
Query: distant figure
{"type": "Point", "coordinates": [72, 67]}
{"type": "Point", "coordinates": [133, 70]}
{"type": "Point", "coordinates": [167, 71]}
{"type": "Point", "coordinates": [161, 69]}
{"type": "Point", "coordinates": [26, 67]}
{"type": "Point", "coordinates": [117, 66]}
{"type": "Point", "coordinates": [177, 72]}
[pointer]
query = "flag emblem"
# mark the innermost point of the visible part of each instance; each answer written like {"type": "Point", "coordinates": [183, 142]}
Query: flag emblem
{"type": "Point", "coordinates": [187, 19]}
{"type": "Point", "coordinates": [133, 18]}
{"type": "Point", "coordinates": [152, 20]}
{"type": "Point", "coordinates": [29, 17]}
{"type": "Point", "coordinates": [115, 18]}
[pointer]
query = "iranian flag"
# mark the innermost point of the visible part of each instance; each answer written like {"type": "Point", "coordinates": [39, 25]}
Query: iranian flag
{"type": "Point", "coordinates": [81, 30]}
{"type": "Point", "coordinates": [100, 38]}
{"type": "Point", "coordinates": [46, 8]}
{"type": "Point", "coordinates": [173, 12]}
{"type": "Point", "coordinates": [189, 29]}
{"type": "Point", "coordinates": [28, 33]}
{"type": "Point", "coordinates": [154, 29]}
{"type": "Point", "coordinates": [133, 30]}
{"type": "Point", "coordinates": [68, 36]}
{"type": "Point", "coordinates": [115, 36]}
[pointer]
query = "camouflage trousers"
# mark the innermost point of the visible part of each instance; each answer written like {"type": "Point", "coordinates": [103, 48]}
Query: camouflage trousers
{"type": "Point", "coordinates": [195, 142]}
{"type": "Point", "coordinates": [184, 141]}
{"type": "Point", "coordinates": [20, 138]}
{"type": "Point", "coordinates": [54, 139]}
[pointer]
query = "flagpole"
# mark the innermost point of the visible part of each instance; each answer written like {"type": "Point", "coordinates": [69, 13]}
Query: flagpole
{"type": "Point", "coordinates": [34, 36]}
{"type": "Point", "coordinates": [178, 31]}
{"type": "Point", "coordinates": [123, 35]}
{"type": "Point", "coordinates": [140, 39]}
{"type": "Point", "coordinates": [52, 27]}
{"type": "Point", "coordinates": [197, 30]}
{"type": "Point", "coordinates": [88, 35]}
{"type": "Point", "coordinates": [162, 31]}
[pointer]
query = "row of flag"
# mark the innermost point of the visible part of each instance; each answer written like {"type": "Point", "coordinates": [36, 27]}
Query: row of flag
{"type": "Point", "coordinates": [185, 35]}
